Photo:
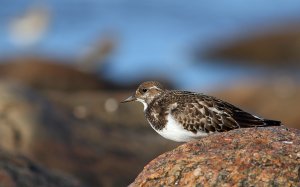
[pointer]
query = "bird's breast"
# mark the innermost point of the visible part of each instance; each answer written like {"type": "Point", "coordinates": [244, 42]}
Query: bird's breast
{"type": "Point", "coordinates": [175, 131]}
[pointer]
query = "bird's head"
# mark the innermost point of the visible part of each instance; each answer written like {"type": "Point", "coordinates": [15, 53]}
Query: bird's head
{"type": "Point", "coordinates": [146, 93]}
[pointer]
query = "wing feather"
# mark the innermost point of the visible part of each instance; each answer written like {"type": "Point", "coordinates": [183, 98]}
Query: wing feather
{"type": "Point", "coordinates": [198, 112]}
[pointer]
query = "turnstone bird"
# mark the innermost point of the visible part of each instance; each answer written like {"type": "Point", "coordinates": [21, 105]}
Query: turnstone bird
{"type": "Point", "coordinates": [183, 116]}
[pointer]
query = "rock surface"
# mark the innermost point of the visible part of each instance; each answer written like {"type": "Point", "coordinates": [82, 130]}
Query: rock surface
{"type": "Point", "coordinates": [17, 170]}
{"type": "Point", "coordinates": [243, 157]}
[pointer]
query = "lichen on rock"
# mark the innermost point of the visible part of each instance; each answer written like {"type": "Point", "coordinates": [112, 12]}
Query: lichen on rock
{"type": "Point", "coordinates": [18, 170]}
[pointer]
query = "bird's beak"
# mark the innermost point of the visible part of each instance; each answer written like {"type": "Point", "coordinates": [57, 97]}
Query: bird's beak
{"type": "Point", "coordinates": [129, 99]}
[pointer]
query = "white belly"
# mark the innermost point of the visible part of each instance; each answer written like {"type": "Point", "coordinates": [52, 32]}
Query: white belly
{"type": "Point", "coordinates": [174, 131]}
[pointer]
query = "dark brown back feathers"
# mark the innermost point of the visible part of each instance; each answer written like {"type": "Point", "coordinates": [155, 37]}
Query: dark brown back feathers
{"type": "Point", "coordinates": [198, 112]}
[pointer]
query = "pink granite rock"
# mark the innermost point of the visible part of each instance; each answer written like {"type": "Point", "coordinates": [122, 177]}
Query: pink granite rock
{"type": "Point", "coordinates": [243, 157]}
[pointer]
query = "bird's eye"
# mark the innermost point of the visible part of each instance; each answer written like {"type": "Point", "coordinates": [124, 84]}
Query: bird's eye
{"type": "Point", "coordinates": [144, 90]}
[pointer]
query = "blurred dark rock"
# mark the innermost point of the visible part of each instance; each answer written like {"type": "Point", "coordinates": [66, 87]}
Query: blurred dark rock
{"type": "Point", "coordinates": [17, 170]}
{"type": "Point", "coordinates": [51, 74]}
{"type": "Point", "coordinates": [48, 74]}
{"type": "Point", "coordinates": [243, 157]}
{"type": "Point", "coordinates": [85, 134]}
{"type": "Point", "coordinates": [24, 116]}
{"type": "Point", "coordinates": [273, 46]}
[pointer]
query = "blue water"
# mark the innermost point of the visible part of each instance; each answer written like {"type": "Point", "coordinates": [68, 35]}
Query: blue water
{"type": "Point", "coordinates": [155, 37]}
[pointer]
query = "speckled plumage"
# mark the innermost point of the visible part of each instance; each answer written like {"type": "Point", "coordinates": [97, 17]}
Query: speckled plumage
{"type": "Point", "coordinates": [192, 114]}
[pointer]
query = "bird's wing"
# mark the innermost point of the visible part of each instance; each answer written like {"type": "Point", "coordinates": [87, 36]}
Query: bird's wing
{"type": "Point", "coordinates": [199, 112]}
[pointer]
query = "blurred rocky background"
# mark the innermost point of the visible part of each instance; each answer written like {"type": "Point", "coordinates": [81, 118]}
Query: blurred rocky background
{"type": "Point", "coordinates": [66, 65]}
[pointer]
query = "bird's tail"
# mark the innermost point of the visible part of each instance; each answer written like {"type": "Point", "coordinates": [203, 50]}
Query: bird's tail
{"type": "Point", "coordinates": [269, 122]}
